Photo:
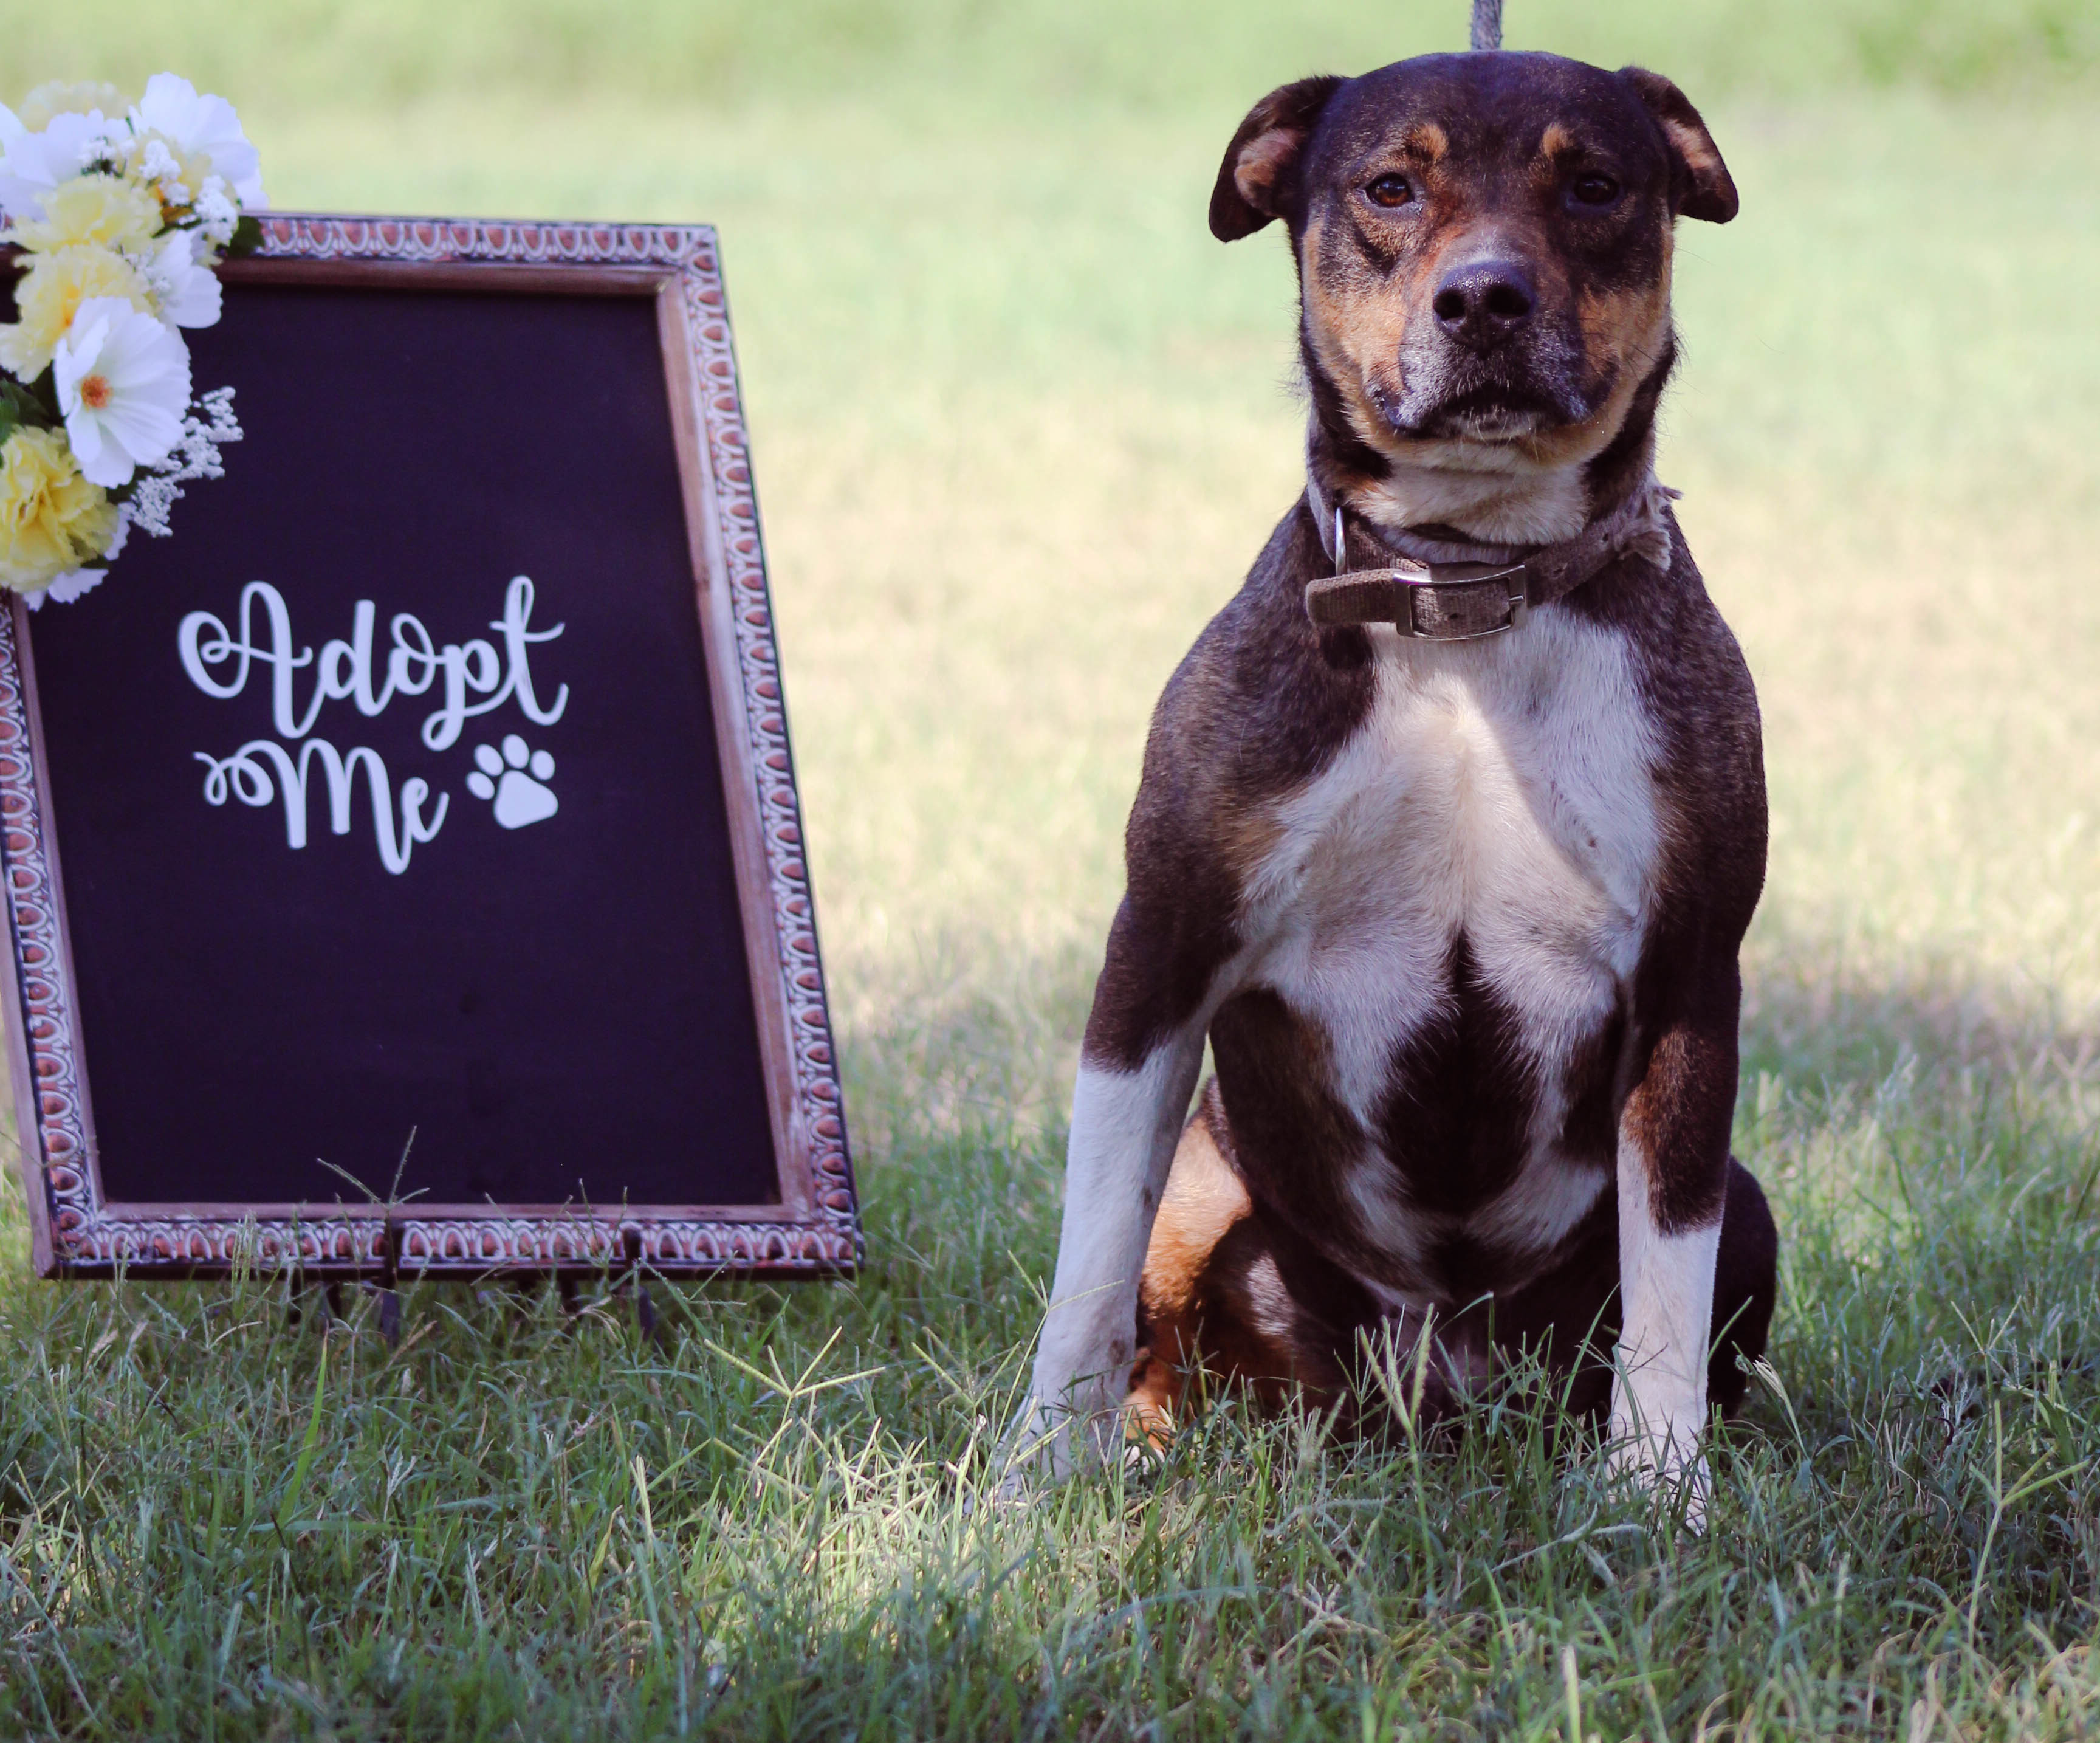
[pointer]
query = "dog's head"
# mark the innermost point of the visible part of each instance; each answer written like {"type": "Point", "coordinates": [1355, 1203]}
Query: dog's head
{"type": "Point", "coordinates": [1483, 245]}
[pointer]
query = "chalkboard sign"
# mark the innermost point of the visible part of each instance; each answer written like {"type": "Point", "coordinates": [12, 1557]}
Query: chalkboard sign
{"type": "Point", "coordinates": [403, 860]}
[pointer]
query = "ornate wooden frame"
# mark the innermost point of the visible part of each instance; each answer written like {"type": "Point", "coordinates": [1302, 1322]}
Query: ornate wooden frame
{"type": "Point", "coordinates": [815, 1229]}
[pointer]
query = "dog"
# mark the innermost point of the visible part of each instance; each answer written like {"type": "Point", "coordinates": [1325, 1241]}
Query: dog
{"type": "Point", "coordinates": [1450, 823]}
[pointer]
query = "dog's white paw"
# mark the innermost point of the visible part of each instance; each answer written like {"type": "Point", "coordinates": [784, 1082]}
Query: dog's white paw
{"type": "Point", "coordinates": [1033, 1452]}
{"type": "Point", "coordinates": [1670, 1462]}
{"type": "Point", "coordinates": [1048, 1440]}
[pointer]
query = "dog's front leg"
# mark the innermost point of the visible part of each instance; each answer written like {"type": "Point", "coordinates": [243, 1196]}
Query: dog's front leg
{"type": "Point", "coordinates": [1672, 1170]}
{"type": "Point", "coordinates": [1138, 1071]}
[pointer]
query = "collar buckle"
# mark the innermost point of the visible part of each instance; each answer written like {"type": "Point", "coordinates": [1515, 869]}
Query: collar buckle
{"type": "Point", "coordinates": [1442, 602]}
{"type": "Point", "coordinates": [1461, 602]}
{"type": "Point", "coordinates": [1427, 602]}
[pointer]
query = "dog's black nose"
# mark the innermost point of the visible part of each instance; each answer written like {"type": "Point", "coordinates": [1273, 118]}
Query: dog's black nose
{"type": "Point", "coordinates": [1485, 303]}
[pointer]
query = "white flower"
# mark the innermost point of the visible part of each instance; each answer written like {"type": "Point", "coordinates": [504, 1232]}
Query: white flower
{"type": "Point", "coordinates": [65, 589]}
{"type": "Point", "coordinates": [156, 162]}
{"type": "Point", "coordinates": [11, 130]}
{"type": "Point", "coordinates": [158, 168]}
{"type": "Point", "coordinates": [33, 164]}
{"type": "Point", "coordinates": [196, 456]}
{"type": "Point", "coordinates": [124, 383]}
{"type": "Point", "coordinates": [185, 288]}
{"type": "Point", "coordinates": [202, 126]}
{"type": "Point", "coordinates": [216, 212]}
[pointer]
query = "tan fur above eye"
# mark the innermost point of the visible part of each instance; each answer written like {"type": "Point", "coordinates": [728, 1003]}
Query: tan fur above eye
{"type": "Point", "coordinates": [1427, 139]}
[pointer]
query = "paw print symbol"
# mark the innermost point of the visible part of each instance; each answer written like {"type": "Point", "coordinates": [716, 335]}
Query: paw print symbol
{"type": "Point", "coordinates": [520, 798]}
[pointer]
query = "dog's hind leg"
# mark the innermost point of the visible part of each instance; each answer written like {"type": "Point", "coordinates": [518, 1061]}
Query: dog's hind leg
{"type": "Point", "coordinates": [1228, 1296]}
{"type": "Point", "coordinates": [1205, 1201]}
{"type": "Point", "coordinates": [1745, 1288]}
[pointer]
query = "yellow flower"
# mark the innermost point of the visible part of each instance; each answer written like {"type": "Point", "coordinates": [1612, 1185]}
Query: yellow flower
{"type": "Point", "coordinates": [59, 98]}
{"type": "Point", "coordinates": [56, 284]}
{"type": "Point", "coordinates": [51, 519]}
{"type": "Point", "coordinates": [104, 209]}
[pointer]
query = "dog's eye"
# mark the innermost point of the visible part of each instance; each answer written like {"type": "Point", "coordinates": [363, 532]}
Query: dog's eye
{"type": "Point", "coordinates": [1390, 190]}
{"type": "Point", "coordinates": [1594, 190]}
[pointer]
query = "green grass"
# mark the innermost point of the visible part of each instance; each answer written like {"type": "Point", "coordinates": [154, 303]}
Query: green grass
{"type": "Point", "coordinates": [1020, 426]}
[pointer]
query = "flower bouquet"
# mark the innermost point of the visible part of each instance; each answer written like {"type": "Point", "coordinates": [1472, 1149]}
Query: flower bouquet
{"type": "Point", "coordinates": [114, 217]}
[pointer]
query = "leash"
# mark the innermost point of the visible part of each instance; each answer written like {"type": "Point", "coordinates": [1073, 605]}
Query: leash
{"type": "Point", "coordinates": [1466, 601]}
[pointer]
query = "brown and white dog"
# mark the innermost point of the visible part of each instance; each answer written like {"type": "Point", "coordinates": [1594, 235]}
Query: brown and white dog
{"type": "Point", "coordinates": [1454, 884]}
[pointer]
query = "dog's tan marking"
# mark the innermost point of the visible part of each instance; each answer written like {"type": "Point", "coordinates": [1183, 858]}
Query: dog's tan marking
{"type": "Point", "coordinates": [1426, 140]}
{"type": "Point", "coordinates": [1214, 1302]}
{"type": "Point", "coordinates": [1357, 322]}
{"type": "Point", "coordinates": [1623, 331]}
{"type": "Point", "coordinates": [1689, 1074]}
{"type": "Point", "coordinates": [1557, 141]}
{"type": "Point", "coordinates": [1203, 1199]}
{"type": "Point", "coordinates": [1694, 145]}
{"type": "Point", "coordinates": [1261, 161]}
{"type": "Point", "coordinates": [1246, 835]}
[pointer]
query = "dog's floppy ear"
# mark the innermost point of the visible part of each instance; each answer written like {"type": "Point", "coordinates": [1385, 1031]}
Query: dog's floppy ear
{"type": "Point", "coordinates": [1699, 186]}
{"type": "Point", "coordinates": [1257, 179]}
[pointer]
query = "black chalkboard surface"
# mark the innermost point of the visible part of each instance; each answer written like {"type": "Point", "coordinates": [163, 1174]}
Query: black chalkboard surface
{"type": "Point", "coordinates": [419, 871]}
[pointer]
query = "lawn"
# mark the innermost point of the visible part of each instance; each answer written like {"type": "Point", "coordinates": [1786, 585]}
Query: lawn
{"type": "Point", "coordinates": [1020, 424]}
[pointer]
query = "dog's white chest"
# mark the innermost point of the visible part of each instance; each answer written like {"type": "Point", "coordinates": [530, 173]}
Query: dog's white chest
{"type": "Point", "coordinates": [1501, 792]}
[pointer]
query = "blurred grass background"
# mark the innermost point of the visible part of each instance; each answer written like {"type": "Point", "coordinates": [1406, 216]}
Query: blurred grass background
{"type": "Point", "coordinates": [1034, 55]}
{"type": "Point", "coordinates": [1020, 426]}
{"type": "Point", "coordinates": [1021, 423]}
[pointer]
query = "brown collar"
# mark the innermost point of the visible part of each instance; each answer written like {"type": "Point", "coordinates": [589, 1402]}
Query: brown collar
{"type": "Point", "coordinates": [1464, 602]}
